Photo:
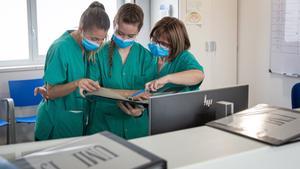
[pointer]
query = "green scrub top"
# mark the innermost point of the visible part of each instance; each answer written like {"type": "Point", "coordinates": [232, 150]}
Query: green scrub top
{"type": "Point", "coordinates": [132, 75]}
{"type": "Point", "coordinates": [184, 61]}
{"type": "Point", "coordinates": [62, 117]}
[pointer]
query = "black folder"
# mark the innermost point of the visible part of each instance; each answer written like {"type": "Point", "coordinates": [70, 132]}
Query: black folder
{"type": "Point", "coordinates": [269, 124]}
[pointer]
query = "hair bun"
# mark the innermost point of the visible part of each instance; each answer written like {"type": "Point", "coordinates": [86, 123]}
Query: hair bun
{"type": "Point", "coordinates": [97, 4]}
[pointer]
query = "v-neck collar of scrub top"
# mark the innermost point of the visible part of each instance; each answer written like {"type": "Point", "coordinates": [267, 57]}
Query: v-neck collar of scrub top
{"type": "Point", "coordinates": [164, 67]}
{"type": "Point", "coordinates": [170, 64]}
{"type": "Point", "coordinates": [129, 56]}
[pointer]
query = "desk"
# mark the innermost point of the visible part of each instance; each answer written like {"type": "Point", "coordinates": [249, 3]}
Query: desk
{"type": "Point", "coordinates": [197, 148]}
{"type": "Point", "coordinates": [205, 147]}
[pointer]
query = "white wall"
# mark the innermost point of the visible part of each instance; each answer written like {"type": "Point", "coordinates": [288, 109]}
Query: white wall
{"type": "Point", "coordinates": [253, 56]}
{"type": "Point", "coordinates": [143, 36]}
{"type": "Point", "coordinates": [155, 13]}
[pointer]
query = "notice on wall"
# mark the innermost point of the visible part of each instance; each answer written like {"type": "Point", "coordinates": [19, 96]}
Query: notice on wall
{"type": "Point", "coordinates": [193, 12]}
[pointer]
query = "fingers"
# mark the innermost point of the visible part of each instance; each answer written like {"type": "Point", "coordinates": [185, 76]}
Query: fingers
{"type": "Point", "coordinates": [156, 84]}
{"type": "Point", "coordinates": [129, 109]}
{"type": "Point", "coordinates": [42, 91]}
{"type": "Point", "coordinates": [133, 111]}
{"type": "Point", "coordinates": [88, 85]}
{"type": "Point", "coordinates": [81, 92]}
{"type": "Point", "coordinates": [128, 106]}
{"type": "Point", "coordinates": [141, 97]}
{"type": "Point", "coordinates": [148, 86]}
{"type": "Point", "coordinates": [36, 90]}
{"type": "Point", "coordinates": [96, 84]}
{"type": "Point", "coordinates": [152, 86]}
{"type": "Point", "coordinates": [123, 108]}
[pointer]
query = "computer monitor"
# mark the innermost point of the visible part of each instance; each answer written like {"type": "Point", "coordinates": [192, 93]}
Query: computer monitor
{"type": "Point", "coordinates": [190, 109]}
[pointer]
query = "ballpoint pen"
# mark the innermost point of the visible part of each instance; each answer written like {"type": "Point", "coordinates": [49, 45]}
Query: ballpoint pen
{"type": "Point", "coordinates": [136, 94]}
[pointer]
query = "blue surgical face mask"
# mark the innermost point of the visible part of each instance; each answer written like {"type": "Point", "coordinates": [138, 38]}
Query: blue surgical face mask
{"type": "Point", "coordinates": [158, 50]}
{"type": "Point", "coordinates": [89, 45]}
{"type": "Point", "coordinates": [121, 43]}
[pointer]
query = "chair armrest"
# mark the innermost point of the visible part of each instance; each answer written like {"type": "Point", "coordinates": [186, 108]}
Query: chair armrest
{"type": "Point", "coordinates": [11, 139]}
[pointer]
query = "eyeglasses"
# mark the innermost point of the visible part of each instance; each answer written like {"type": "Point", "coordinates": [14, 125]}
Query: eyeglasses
{"type": "Point", "coordinates": [162, 43]}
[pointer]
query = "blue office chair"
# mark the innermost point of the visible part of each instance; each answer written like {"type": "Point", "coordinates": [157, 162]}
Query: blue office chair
{"type": "Point", "coordinates": [296, 96]}
{"type": "Point", "coordinates": [22, 93]}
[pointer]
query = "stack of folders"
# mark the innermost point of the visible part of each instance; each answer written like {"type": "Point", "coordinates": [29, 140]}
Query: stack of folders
{"type": "Point", "coordinates": [269, 124]}
{"type": "Point", "coordinates": [102, 150]}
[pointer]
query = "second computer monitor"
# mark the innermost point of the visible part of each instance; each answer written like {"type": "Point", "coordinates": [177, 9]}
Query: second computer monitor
{"type": "Point", "coordinates": [190, 109]}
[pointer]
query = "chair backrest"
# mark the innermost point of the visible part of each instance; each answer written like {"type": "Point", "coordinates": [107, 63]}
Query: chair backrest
{"type": "Point", "coordinates": [22, 91]}
{"type": "Point", "coordinates": [296, 96]}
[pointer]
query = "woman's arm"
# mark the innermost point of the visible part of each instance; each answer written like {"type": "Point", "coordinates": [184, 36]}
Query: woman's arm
{"type": "Point", "coordinates": [188, 78]}
{"type": "Point", "coordinates": [56, 91]}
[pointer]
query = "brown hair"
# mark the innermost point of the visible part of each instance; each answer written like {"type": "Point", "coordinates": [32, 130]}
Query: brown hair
{"type": "Point", "coordinates": [128, 13]}
{"type": "Point", "coordinates": [175, 32]}
{"type": "Point", "coordinates": [94, 16]}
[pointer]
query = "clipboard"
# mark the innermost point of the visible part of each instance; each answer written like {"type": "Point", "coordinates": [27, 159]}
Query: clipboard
{"type": "Point", "coordinates": [110, 94]}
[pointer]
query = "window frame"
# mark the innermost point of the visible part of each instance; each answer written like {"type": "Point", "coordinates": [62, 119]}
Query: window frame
{"type": "Point", "coordinates": [34, 58]}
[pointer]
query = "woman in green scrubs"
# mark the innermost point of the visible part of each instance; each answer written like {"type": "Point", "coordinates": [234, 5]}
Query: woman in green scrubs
{"type": "Point", "coordinates": [66, 70]}
{"type": "Point", "coordinates": [125, 66]}
{"type": "Point", "coordinates": [177, 68]}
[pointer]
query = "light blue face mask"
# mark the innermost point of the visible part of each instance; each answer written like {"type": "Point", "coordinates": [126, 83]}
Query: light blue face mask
{"type": "Point", "coordinates": [89, 45]}
{"type": "Point", "coordinates": [121, 43]}
{"type": "Point", "coordinates": [158, 50]}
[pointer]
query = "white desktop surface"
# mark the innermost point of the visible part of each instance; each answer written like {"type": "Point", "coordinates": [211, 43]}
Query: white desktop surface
{"type": "Point", "coordinates": [196, 145]}
{"type": "Point", "coordinates": [201, 147]}
{"type": "Point", "coordinates": [209, 148]}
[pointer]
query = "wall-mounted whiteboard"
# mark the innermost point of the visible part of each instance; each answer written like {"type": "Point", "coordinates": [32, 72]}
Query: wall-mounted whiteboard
{"type": "Point", "coordinates": [285, 37]}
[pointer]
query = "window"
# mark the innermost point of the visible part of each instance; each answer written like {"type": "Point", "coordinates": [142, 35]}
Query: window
{"type": "Point", "coordinates": [31, 27]}
{"type": "Point", "coordinates": [14, 31]}
{"type": "Point", "coordinates": [53, 23]}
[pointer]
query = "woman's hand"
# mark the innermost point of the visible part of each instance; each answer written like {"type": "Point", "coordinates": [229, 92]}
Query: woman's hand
{"type": "Point", "coordinates": [87, 84]}
{"type": "Point", "coordinates": [130, 110]}
{"type": "Point", "coordinates": [142, 96]}
{"type": "Point", "coordinates": [157, 83]}
{"type": "Point", "coordinates": [41, 90]}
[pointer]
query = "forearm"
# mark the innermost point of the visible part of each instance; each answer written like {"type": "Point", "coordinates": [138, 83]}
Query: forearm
{"type": "Point", "coordinates": [188, 78]}
{"type": "Point", "coordinates": [57, 91]}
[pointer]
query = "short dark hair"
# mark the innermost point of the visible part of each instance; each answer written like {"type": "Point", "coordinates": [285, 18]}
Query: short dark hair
{"type": "Point", "coordinates": [94, 16]}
